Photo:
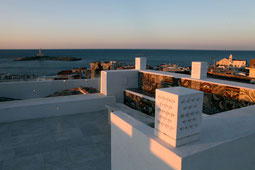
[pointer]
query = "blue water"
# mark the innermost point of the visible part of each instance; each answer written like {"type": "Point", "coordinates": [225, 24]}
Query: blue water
{"type": "Point", "coordinates": [154, 58]}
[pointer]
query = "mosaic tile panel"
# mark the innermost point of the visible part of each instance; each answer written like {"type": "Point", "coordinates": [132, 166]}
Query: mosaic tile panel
{"type": "Point", "coordinates": [247, 95]}
{"type": "Point", "coordinates": [212, 104]}
{"type": "Point", "coordinates": [139, 103]}
{"type": "Point", "coordinates": [195, 85]}
{"type": "Point", "coordinates": [206, 87]}
{"type": "Point", "coordinates": [149, 82]}
{"type": "Point", "coordinates": [217, 98]}
{"type": "Point", "coordinates": [186, 83]}
{"type": "Point", "coordinates": [232, 92]}
{"type": "Point", "coordinates": [218, 89]}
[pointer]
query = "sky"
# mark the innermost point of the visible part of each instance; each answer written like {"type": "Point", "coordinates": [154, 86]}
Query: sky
{"type": "Point", "coordinates": [127, 24]}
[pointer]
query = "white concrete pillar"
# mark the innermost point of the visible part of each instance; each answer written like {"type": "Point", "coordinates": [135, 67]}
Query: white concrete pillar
{"type": "Point", "coordinates": [178, 114]}
{"type": "Point", "coordinates": [114, 82]}
{"type": "Point", "coordinates": [199, 70]}
{"type": "Point", "coordinates": [140, 63]}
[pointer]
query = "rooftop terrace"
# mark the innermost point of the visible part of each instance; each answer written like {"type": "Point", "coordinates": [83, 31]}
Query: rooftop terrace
{"type": "Point", "coordinates": [80, 141]}
{"type": "Point", "coordinates": [73, 132]}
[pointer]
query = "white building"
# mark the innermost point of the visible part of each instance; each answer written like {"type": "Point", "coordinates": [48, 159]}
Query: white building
{"type": "Point", "coordinates": [251, 68]}
{"type": "Point", "coordinates": [232, 62]}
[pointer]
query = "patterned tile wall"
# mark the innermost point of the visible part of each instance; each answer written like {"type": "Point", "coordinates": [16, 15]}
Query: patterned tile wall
{"type": "Point", "coordinates": [217, 98]}
{"type": "Point", "coordinates": [139, 103]}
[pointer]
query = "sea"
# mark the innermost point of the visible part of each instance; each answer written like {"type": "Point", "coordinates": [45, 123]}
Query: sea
{"type": "Point", "coordinates": [154, 57]}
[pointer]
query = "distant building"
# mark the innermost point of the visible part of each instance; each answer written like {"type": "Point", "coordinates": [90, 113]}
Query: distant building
{"type": "Point", "coordinates": [126, 67]}
{"type": "Point", "coordinates": [251, 68]}
{"type": "Point", "coordinates": [162, 67]}
{"type": "Point", "coordinates": [82, 72]}
{"type": "Point", "coordinates": [79, 70]}
{"type": "Point", "coordinates": [227, 62]}
{"type": "Point", "coordinates": [96, 67]}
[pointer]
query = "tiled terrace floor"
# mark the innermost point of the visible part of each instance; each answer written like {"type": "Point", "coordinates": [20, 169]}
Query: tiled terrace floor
{"type": "Point", "coordinates": [73, 142]}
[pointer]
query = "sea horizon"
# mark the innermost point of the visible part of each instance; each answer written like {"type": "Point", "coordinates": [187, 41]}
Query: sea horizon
{"type": "Point", "coordinates": [177, 49]}
{"type": "Point", "coordinates": [154, 57]}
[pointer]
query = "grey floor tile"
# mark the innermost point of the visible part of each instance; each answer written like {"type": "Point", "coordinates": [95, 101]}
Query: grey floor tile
{"type": "Point", "coordinates": [25, 150]}
{"type": "Point", "coordinates": [96, 164]}
{"type": "Point", "coordinates": [17, 128]}
{"type": "Point", "coordinates": [83, 166]}
{"type": "Point", "coordinates": [46, 147]}
{"type": "Point", "coordinates": [44, 139]}
{"type": "Point", "coordinates": [102, 164]}
{"type": "Point", "coordinates": [21, 140]}
{"type": "Point", "coordinates": [84, 153]}
{"type": "Point", "coordinates": [79, 141]}
{"type": "Point", "coordinates": [90, 130]}
{"type": "Point", "coordinates": [99, 138]}
{"type": "Point", "coordinates": [7, 154]}
{"type": "Point", "coordinates": [105, 148]}
{"type": "Point", "coordinates": [57, 159]}
{"type": "Point", "coordinates": [75, 142]}
{"type": "Point", "coordinates": [5, 134]}
{"type": "Point", "coordinates": [69, 133]}
{"type": "Point", "coordinates": [35, 162]}
{"type": "Point", "coordinates": [64, 166]}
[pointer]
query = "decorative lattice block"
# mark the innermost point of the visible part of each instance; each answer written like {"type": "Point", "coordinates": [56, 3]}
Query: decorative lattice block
{"type": "Point", "coordinates": [199, 70]}
{"type": "Point", "coordinates": [178, 114]}
{"type": "Point", "coordinates": [140, 63]}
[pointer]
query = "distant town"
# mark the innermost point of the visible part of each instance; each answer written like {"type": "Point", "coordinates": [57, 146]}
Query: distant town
{"type": "Point", "coordinates": [226, 68]}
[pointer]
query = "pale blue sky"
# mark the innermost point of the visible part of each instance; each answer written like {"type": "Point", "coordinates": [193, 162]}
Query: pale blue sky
{"type": "Point", "coordinates": [163, 24]}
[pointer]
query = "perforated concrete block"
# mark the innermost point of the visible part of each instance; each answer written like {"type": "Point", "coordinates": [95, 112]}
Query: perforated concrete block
{"type": "Point", "coordinates": [178, 115]}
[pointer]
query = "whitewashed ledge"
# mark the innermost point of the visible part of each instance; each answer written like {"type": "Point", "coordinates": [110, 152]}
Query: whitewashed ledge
{"type": "Point", "coordinates": [39, 89]}
{"type": "Point", "coordinates": [53, 106]}
{"type": "Point", "coordinates": [226, 142]}
{"type": "Point", "coordinates": [207, 80]}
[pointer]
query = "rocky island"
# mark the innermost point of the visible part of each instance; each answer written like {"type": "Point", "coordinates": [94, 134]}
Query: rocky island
{"type": "Point", "coordinates": [41, 56]}
{"type": "Point", "coordinates": [47, 58]}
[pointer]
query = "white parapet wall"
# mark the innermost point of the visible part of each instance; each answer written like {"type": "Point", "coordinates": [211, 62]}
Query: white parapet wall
{"type": "Point", "coordinates": [38, 89]}
{"type": "Point", "coordinates": [134, 147]}
{"type": "Point", "coordinates": [53, 106]}
{"type": "Point", "coordinates": [226, 142]}
{"type": "Point", "coordinates": [114, 82]}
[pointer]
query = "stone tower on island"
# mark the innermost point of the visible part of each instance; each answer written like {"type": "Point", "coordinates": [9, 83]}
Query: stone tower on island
{"type": "Point", "coordinates": [40, 54]}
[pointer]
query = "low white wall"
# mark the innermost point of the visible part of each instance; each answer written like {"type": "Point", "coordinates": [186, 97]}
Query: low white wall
{"type": "Point", "coordinates": [227, 142]}
{"type": "Point", "coordinates": [133, 146]}
{"type": "Point", "coordinates": [114, 82]}
{"type": "Point", "coordinates": [53, 106]}
{"type": "Point", "coordinates": [233, 155]}
{"type": "Point", "coordinates": [37, 89]}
